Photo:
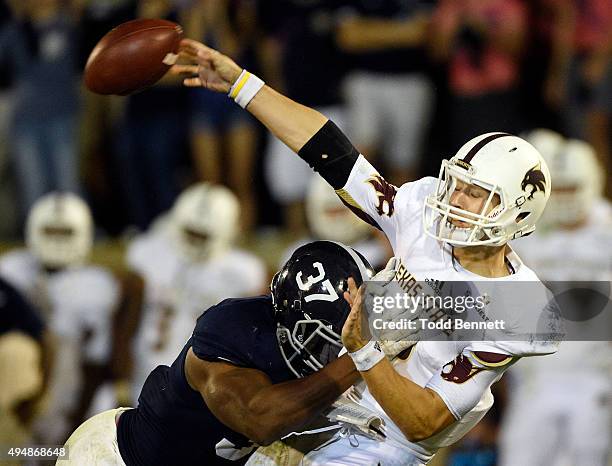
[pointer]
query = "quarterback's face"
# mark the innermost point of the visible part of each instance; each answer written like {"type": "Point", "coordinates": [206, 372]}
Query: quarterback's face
{"type": "Point", "coordinates": [471, 198]}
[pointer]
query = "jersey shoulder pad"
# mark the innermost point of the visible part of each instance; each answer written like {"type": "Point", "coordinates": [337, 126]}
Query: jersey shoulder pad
{"type": "Point", "coordinates": [538, 330]}
{"type": "Point", "coordinates": [410, 196]}
{"type": "Point", "coordinates": [136, 251]}
{"type": "Point", "coordinates": [532, 323]}
{"type": "Point", "coordinates": [525, 273]}
{"type": "Point", "coordinates": [228, 331]}
{"type": "Point", "coordinates": [418, 190]}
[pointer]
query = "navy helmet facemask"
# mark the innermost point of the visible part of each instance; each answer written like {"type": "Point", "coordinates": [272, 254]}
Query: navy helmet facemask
{"type": "Point", "coordinates": [309, 304]}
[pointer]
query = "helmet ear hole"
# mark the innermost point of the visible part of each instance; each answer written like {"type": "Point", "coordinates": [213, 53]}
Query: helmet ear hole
{"type": "Point", "coordinates": [522, 216]}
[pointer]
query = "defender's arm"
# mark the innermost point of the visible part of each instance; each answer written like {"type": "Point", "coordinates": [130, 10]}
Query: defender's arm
{"type": "Point", "coordinates": [245, 399]}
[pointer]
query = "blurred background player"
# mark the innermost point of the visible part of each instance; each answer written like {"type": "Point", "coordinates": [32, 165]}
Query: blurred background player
{"type": "Point", "coordinates": [576, 200]}
{"type": "Point", "coordinates": [77, 300]}
{"type": "Point", "coordinates": [564, 401]}
{"type": "Point", "coordinates": [329, 219]}
{"type": "Point", "coordinates": [26, 358]}
{"type": "Point", "coordinates": [188, 263]}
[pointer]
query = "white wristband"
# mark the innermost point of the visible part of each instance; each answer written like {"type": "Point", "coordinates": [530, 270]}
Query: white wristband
{"type": "Point", "coordinates": [245, 88]}
{"type": "Point", "coordinates": [368, 356]}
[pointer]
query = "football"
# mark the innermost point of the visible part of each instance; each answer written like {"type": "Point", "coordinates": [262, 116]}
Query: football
{"type": "Point", "coordinates": [132, 56]}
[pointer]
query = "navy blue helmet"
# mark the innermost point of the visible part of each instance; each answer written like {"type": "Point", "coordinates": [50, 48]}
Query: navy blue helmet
{"type": "Point", "coordinates": [310, 309]}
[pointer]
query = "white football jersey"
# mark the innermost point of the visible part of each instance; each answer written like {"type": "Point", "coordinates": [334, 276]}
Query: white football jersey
{"type": "Point", "coordinates": [177, 291]}
{"type": "Point", "coordinates": [78, 304]}
{"type": "Point", "coordinates": [398, 213]}
{"type": "Point", "coordinates": [580, 255]}
{"type": "Point", "coordinates": [77, 301]}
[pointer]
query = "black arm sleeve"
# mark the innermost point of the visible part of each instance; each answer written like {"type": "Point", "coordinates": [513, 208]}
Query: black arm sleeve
{"type": "Point", "coordinates": [330, 153]}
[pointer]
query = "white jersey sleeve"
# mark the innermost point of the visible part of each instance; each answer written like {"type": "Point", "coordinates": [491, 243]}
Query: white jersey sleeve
{"type": "Point", "coordinates": [461, 383]}
{"type": "Point", "coordinates": [20, 268]}
{"type": "Point", "coordinates": [392, 209]}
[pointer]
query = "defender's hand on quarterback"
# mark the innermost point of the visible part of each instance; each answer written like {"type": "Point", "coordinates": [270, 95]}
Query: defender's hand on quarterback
{"type": "Point", "coordinates": [355, 332]}
{"type": "Point", "coordinates": [205, 67]}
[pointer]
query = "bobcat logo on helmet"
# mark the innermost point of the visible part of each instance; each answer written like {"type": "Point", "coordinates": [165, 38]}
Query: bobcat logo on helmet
{"type": "Point", "coordinates": [536, 179]}
{"type": "Point", "coordinates": [385, 192]}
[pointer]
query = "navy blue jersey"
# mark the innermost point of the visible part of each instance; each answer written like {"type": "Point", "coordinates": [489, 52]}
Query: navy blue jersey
{"type": "Point", "coordinates": [16, 314]}
{"type": "Point", "coordinates": [172, 425]}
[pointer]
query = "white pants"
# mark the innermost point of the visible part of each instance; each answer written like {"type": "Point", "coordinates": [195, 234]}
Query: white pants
{"type": "Point", "coordinates": [95, 442]}
{"type": "Point", "coordinates": [390, 113]}
{"type": "Point", "coordinates": [360, 451]}
{"type": "Point", "coordinates": [339, 451]}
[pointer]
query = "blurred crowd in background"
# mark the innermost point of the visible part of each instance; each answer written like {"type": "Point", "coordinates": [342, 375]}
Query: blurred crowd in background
{"type": "Point", "coordinates": [409, 81]}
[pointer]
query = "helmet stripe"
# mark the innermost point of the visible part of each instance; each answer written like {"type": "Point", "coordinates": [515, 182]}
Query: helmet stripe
{"type": "Point", "coordinates": [480, 144]}
{"type": "Point", "coordinates": [362, 267]}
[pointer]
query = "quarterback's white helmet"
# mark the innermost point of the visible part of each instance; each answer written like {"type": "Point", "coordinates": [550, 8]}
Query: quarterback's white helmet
{"type": "Point", "coordinates": [512, 170]}
{"type": "Point", "coordinates": [59, 230]}
{"type": "Point", "coordinates": [329, 218]}
{"type": "Point", "coordinates": [205, 219]}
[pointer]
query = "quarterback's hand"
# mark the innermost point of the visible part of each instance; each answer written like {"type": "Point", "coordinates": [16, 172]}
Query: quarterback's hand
{"type": "Point", "coordinates": [205, 67]}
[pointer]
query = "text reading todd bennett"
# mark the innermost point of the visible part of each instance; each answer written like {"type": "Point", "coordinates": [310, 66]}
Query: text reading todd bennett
{"type": "Point", "coordinates": [442, 324]}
